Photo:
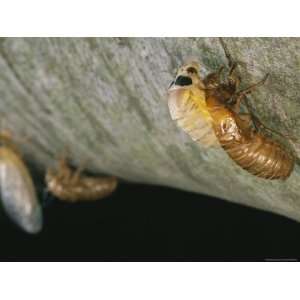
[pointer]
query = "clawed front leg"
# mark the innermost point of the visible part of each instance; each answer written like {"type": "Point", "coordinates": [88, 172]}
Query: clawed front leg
{"type": "Point", "coordinates": [76, 176]}
{"type": "Point", "coordinates": [231, 62]}
{"type": "Point", "coordinates": [244, 121]}
{"type": "Point", "coordinates": [233, 80]}
{"type": "Point", "coordinates": [241, 95]}
{"type": "Point", "coordinates": [252, 118]}
{"type": "Point", "coordinates": [259, 126]}
{"type": "Point", "coordinates": [252, 87]}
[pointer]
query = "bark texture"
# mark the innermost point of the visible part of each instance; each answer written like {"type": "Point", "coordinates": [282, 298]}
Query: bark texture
{"type": "Point", "coordinates": [105, 98]}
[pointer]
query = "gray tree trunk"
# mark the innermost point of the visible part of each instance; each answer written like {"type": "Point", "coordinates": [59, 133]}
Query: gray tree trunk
{"type": "Point", "coordinates": [105, 98]}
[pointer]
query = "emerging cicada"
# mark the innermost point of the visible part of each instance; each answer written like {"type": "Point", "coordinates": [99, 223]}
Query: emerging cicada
{"type": "Point", "coordinates": [17, 191]}
{"type": "Point", "coordinates": [70, 186]}
{"type": "Point", "coordinates": [186, 101]}
{"type": "Point", "coordinates": [199, 105]}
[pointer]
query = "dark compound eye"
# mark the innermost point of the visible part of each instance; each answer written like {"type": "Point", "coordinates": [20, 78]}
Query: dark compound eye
{"type": "Point", "coordinates": [192, 70]}
{"type": "Point", "coordinates": [183, 80]}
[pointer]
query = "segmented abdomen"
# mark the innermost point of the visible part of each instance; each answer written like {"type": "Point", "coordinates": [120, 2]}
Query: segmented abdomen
{"type": "Point", "coordinates": [192, 116]}
{"type": "Point", "coordinates": [257, 154]}
{"type": "Point", "coordinates": [85, 189]}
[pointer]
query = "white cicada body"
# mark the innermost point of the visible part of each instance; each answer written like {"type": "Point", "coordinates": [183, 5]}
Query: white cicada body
{"type": "Point", "coordinates": [186, 101]}
{"type": "Point", "coordinates": [17, 192]}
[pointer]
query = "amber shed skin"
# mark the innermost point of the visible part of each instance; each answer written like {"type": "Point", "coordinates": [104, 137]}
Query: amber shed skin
{"type": "Point", "coordinates": [70, 186]}
{"type": "Point", "coordinates": [248, 147]}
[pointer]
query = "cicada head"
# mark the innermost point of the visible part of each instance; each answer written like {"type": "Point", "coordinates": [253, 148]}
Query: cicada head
{"type": "Point", "coordinates": [186, 85]}
{"type": "Point", "coordinates": [187, 76]}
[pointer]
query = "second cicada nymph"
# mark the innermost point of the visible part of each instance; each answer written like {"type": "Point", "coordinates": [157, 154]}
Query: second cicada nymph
{"type": "Point", "coordinates": [71, 186]}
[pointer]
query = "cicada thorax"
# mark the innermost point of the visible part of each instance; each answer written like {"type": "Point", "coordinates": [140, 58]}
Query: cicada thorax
{"type": "Point", "coordinates": [187, 105]}
{"type": "Point", "coordinates": [70, 186]}
{"type": "Point", "coordinates": [254, 151]}
{"type": "Point", "coordinates": [17, 191]}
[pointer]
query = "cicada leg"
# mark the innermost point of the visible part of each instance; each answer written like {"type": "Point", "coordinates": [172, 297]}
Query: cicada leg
{"type": "Point", "coordinates": [76, 176]}
{"type": "Point", "coordinates": [233, 80]}
{"type": "Point", "coordinates": [252, 87]}
{"type": "Point", "coordinates": [64, 172]}
{"type": "Point", "coordinates": [241, 95]}
{"type": "Point", "coordinates": [231, 62]}
{"type": "Point", "coordinates": [245, 121]}
{"type": "Point", "coordinates": [261, 126]}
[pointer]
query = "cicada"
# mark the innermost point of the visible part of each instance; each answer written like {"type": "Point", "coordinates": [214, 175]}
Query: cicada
{"type": "Point", "coordinates": [201, 105]}
{"type": "Point", "coordinates": [71, 186]}
{"type": "Point", "coordinates": [241, 135]}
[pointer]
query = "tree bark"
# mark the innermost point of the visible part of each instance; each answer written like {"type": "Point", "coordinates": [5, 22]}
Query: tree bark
{"type": "Point", "coordinates": [105, 98]}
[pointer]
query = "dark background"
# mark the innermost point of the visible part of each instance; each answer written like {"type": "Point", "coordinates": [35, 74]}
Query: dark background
{"type": "Point", "coordinates": [150, 223]}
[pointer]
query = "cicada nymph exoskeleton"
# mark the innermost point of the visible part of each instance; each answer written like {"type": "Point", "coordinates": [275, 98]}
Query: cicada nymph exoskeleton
{"type": "Point", "coordinates": [17, 191]}
{"type": "Point", "coordinates": [187, 106]}
{"type": "Point", "coordinates": [71, 186]}
{"type": "Point", "coordinates": [240, 134]}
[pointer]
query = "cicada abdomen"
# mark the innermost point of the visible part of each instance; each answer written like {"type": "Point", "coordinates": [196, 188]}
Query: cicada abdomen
{"type": "Point", "coordinates": [70, 186]}
{"type": "Point", "coordinates": [187, 106]}
{"type": "Point", "coordinates": [261, 156]}
{"type": "Point", "coordinates": [17, 191]}
{"type": "Point", "coordinates": [237, 134]}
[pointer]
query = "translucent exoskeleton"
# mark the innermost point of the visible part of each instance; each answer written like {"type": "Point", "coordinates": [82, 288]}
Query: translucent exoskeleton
{"type": "Point", "coordinates": [187, 106]}
{"type": "Point", "coordinates": [241, 134]}
{"type": "Point", "coordinates": [17, 191]}
{"type": "Point", "coordinates": [71, 186]}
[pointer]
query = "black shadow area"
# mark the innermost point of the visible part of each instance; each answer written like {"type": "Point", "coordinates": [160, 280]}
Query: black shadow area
{"type": "Point", "coordinates": [150, 223]}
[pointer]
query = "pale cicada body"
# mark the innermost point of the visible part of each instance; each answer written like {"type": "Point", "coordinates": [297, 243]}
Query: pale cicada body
{"type": "Point", "coordinates": [17, 192]}
{"type": "Point", "coordinates": [187, 105]}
